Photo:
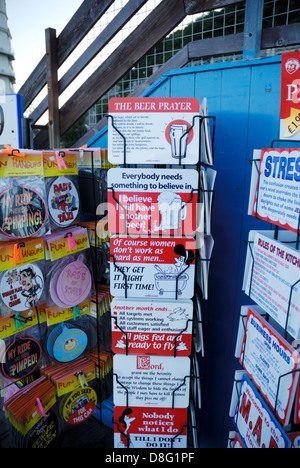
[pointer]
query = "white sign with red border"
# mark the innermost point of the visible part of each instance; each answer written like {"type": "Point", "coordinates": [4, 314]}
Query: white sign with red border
{"type": "Point", "coordinates": [275, 187]}
{"type": "Point", "coordinates": [290, 96]}
{"type": "Point", "coordinates": [141, 326]}
{"type": "Point", "coordinates": [153, 131]}
{"type": "Point", "coordinates": [152, 267]}
{"type": "Point", "coordinates": [151, 381]}
{"type": "Point", "coordinates": [150, 428]}
{"type": "Point", "coordinates": [152, 201]}
{"type": "Point", "coordinates": [255, 423]}
{"type": "Point", "coordinates": [272, 277]}
{"type": "Point", "coordinates": [271, 363]}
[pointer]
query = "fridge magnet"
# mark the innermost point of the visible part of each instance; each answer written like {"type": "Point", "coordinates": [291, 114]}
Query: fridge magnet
{"type": "Point", "coordinates": [21, 358]}
{"type": "Point", "coordinates": [158, 428]}
{"type": "Point", "coordinates": [65, 343]}
{"type": "Point", "coordinates": [277, 289]}
{"type": "Point", "coordinates": [152, 267]}
{"type": "Point", "coordinates": [151, 381]}
{"type": "Point", "coordinates": [275, 187]}
{"type": "Point", "coordinates": [71, 285]}
{"type": "Point", "coordinates": [271, 363]}
{"type": "Point", "coordinates": [63, 201]}
{"type": "Point", "coordinates": [157, 327]}
{"type": "Point", "coordinates": [255, 423]}
{"type": "Point", "coordinates": [23, 211]}
{"type": "Point", "coordinates": [78, 406]}
{"type": "Point", "coordinates": [152, 201]}
{"type": "Point", "coordinates": [22, 287]}
{"type": "Point", "coordinates": [153, 131]}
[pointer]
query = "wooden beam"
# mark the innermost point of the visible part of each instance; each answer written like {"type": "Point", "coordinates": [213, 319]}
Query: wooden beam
{"type": "Point", "coordinates": [200, 6]}
{"type": "Point", "coordinates": [80, 24]}
{"type": "Point", "coordinates": [52, 87]}
{"type": "Point", "coordinates": [162, 20]}
{"type": "Point", "coordinates": [253, 28]}
{"type": "Point", "coordinates": [129, 10]}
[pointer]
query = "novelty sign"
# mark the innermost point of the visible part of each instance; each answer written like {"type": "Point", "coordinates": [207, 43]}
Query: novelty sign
{"type": "Point", "coordinates": [151, 327]}
{"type": "Point", "coordinates": [160, 267]}
{"type": "Point", "coordinates": [136, 427]}
{"type": "Point", "coordinates": [151, 381]}
{"type": "Point", "coordinates": [275, 187]}
{"type": "Point", "coordinates": [63, 201]}
{"type": "Point", "coordinates": [290, 96]}
{"type": "Point", "coordinates": [153, 131]}
{"type": "Point", "coordinates": [21, 358]}
{"type": "Point", "coordinates": [152, 201]}
{"type": "Point", "coordinates": [255, 423]}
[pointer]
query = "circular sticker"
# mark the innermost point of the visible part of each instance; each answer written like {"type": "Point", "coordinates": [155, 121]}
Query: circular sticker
{"type": "Point", "coordinates": [22, 287]}
{"type": "Point", "coordinates": [66, 343]}
{"type": "Point", "coordinates": [79, 405]}
{"type": "Point", "coordinates": [21, 358]}
{"type": "Point", "coordinates": [74, 283]}
{"type": "Point", "coordinates": [23, 211]}
{"type": "Point", "coordinates": [63, 201]}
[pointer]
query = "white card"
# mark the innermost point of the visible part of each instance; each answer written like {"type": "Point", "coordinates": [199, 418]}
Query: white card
{"type": "Point", "coordinates": [153, 381]}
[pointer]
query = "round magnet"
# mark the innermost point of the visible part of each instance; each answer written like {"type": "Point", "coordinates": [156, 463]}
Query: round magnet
{"type": "Point", "coordinates": [74, 283]}
{"type": "Point", "coordinates": [23, 211]}
{"type": "Point", "coordinates": [63, 201]}
{"type": "Point", "coordinates": [68, 344]}
{"type": "Point", "coordinates": [78, 406]}
{"type": "Point", "coordinates": [22, 356]}
{"type": "Point", "coordinates": [22, 287]}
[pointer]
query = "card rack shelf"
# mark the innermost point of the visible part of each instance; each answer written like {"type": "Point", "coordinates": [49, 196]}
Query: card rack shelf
{"type": "Point", "coordinates": [284, 330]}
{"type": "Point", "coordinates": [193, 426]}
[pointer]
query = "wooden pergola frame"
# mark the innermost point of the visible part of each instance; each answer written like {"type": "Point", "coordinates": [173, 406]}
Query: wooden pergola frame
{"type": "Point", "coordinates": [157, 25]}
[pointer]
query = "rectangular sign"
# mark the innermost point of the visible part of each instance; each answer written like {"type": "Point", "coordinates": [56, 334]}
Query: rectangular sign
{"type": "Point", "coordinates": [153, 267]}
{"type": "Point", "coordinates": [151, 381]}
{"type": "Point", "coordinates": [275, 187]}
{"type": "Point", "coordinates": [255, 423]}
{"type": "Point", "coordinates": [271, 363]}
{"type": "Point", "coordinates": [272, 279]}
{"type": "Point", "coordinates": [152, 201]}
{"type": "Point", "coordinates": [153, 131]}
{"type": "Point", "coordinates": [159, 428]}
{"type": "Point", "coordinates": [142, 326]}
{"type": "Point", "coordinates": [290, 96]}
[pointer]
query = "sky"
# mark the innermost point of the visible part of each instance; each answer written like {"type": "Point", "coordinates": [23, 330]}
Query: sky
{"type": "Point", "coordinates": [27, 21]}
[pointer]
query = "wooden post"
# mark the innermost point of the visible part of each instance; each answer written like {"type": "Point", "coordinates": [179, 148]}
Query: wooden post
{"type": "Point", "coordinates": [52, 85]}
{"type": "Point", "coordinates": [253, 28]}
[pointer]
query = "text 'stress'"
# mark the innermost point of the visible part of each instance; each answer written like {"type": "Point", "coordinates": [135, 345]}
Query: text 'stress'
{"type": "Point", "coordinates": [268, 353]}
{"type": "Point", "coordinates": [153, 218]}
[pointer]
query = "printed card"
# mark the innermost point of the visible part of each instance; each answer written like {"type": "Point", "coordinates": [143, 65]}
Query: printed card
{"type": "Point", "coordinates": [275, 187]}
{"type": "Point", "coordinates": [272, 277]}
{"type": "Point", "coordinates": [152, 267]}
{"type": "Point", "coordinates": [254, 421]}
{"type": "Point", "coordinates": [152, 201]}
{"type": "Point", "coordinates": [151, 381]}
{"type": "Point", "coordinates": [290, 100]}
{"type": "Point", "coordinates": [271, 363]}
{"type": "Point", "coordinates": [153, 131]}
{"type": "Point", "coordinates": [136, 427]}
{"type": "Point", "coordinates": [151, 327]}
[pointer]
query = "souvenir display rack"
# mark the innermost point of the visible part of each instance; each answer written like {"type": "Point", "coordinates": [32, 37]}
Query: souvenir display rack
{"type": "Point", "coordinates": [290, 428]}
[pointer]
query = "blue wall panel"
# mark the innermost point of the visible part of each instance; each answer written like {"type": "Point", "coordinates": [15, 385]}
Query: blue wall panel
{"type": "Point", "coordinates": [245, 98]}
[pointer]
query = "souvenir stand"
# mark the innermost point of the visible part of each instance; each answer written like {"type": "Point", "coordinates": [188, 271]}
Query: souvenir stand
{"type": "Point", "coordinates": [265, 396]}
{"type": "Point", "coordinates": [159, 208]}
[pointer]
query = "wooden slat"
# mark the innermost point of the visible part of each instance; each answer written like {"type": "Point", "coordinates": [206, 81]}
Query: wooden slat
{"type": "Point", "coordinates": [80, 24]}
{"type": "Point", "coordinates": [163, 19]}
{"type": "Point", "coordinates": [52, 87]}
{"type": "Point", "coordinates": [200, 6]}
{"type": "Point", "coordinates": [129, 10]}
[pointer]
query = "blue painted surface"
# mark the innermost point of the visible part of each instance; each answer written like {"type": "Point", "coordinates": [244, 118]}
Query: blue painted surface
{"type": "Point", "coordinates": [245, 98]}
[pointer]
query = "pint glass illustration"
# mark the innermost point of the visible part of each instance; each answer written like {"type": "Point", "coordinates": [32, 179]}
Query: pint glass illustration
{"type": "Point", "coordinates": [172, 210]}
{"type": "Point", "coordinates": [179, 140]}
